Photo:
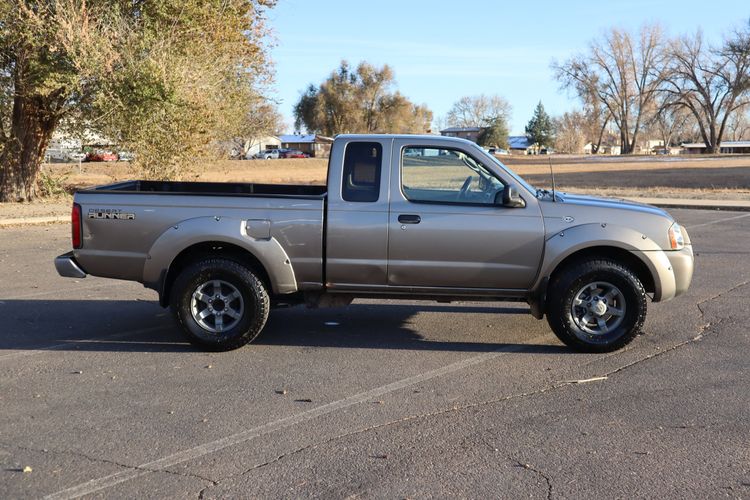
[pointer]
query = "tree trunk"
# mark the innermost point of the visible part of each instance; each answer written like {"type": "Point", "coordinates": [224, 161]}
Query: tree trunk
{"type": "Point", "coordinates": [713, 147]}
{"type": "Point", "coordinates": [23, 151]}
{"type": "Point", "coordinates": [601, 135]}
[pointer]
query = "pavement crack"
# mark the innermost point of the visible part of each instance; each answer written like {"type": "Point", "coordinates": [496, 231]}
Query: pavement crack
{"type": "Point", "coordinates": [408, 418]}
{"type": "Point", "coordinates": [551, 387]}
{"type": "Point", "coordinates": [533, 469]}
{"type": "Point", "coordinates": [106, 461]}
{"type": "Point", "coordinates": [702, 331]}
{"type": "Point", "coordinates": [548, 388]}
{"type": "Point", "coordinates": [699, 305]}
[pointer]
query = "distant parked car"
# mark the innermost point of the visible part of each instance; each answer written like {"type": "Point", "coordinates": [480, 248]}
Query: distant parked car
{"type": "Point", "coordinates": [498, 151]}
{"type": "Point", "coordinates": [125, 156]}
{"type": "Point", "coordinates": [293, 153]}
{"type": "Point", "coordinates": [76, 156]}
{"type": "Point", "coordinates": [101, 155]}
{"type": "Point", "coordinates": [267, 154]}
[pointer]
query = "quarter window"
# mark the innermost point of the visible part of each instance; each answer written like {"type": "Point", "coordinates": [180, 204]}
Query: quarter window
{"type": "Point", "coordinates": [362, 165]}
{"type": "Point", "coordinates": [438, 175]}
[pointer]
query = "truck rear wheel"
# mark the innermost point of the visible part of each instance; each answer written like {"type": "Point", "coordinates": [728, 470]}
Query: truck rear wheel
{"type": "Point", "coordinates": [596, 306]}
{"type": "Point", "coordinates": [219, 304]}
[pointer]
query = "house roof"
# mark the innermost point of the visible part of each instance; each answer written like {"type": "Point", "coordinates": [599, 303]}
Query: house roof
{"type": "Point", "coordinates": [460, 129]}
{"type": "Point", "coordinates": [304, 138]}
{"type": "Point", "coordinates": [519, 142]}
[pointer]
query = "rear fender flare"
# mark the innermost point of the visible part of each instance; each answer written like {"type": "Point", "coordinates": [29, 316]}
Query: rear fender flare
{"type": "Point", "coordinates": [179, 237]}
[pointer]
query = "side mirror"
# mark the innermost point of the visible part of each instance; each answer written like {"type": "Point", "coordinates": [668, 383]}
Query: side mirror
{"type": "Point", "coordinates": [509, 197]}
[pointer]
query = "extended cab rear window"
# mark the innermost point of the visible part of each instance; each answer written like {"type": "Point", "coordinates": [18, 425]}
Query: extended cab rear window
{"type": "Point", "coordinates": [362, 164]}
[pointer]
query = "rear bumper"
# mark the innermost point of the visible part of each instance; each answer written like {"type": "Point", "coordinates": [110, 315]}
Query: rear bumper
{"type": "Point", "coordinates": [67, 266]}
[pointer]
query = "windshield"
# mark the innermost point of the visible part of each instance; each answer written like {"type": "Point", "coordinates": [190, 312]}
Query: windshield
{"type": "Point", "coordinates": [515, 176]}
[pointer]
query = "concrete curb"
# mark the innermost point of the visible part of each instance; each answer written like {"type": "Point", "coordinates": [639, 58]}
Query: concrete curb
{"type": "Point", "coordinates": [728, 205]}
{"type": "Point", "coordinates": [32, 221]}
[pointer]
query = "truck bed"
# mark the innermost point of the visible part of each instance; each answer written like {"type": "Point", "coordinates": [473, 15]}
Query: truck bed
{"type": "Point", "coordinates": [160, 217]}
{"type": "Point", "coordinates": [212, 188]}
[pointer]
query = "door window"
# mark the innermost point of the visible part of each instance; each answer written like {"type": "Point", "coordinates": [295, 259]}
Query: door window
{"type": "Point", "coordinates": [362, 165]}
{"type": "Point", "coordinates": [438, 175]}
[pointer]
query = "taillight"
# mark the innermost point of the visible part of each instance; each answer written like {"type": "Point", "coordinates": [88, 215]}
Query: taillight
{"type": "Point", "coordinates": [75, 221]}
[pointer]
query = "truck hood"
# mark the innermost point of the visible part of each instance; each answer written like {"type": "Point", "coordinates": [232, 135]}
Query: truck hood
{"type": "Point", "coordinates": [572, 210]}
{"type": "Point", "coordinates": [613, 203]}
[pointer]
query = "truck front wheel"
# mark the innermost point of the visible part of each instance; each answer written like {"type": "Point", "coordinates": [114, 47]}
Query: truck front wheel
{"type": "Point", "coordinates": [219, 304]}
{"type": "Point", "coordinates": [596, 306]}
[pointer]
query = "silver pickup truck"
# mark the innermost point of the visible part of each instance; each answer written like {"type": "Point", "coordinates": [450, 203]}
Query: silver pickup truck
{"type": "Point", "coordinates": [410, 217]}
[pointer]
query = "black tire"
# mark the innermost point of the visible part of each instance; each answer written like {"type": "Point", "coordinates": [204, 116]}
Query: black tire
{"type": "Point", "coordinates": [246, 299]}
{"type": "Point", "coordinates": [577, 326]}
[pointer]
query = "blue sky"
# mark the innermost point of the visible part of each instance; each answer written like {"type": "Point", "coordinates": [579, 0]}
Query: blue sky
{"type": "Point", "coordinates": [443, 50]}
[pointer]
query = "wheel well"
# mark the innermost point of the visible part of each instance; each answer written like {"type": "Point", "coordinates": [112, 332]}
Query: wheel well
{"type": "Point", "coordinates": [210, 249]}
{"type": "Point", "coordinates": [618, 254]}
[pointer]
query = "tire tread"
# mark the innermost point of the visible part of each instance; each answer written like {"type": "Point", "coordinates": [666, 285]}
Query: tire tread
{"type": "Point", "coordinates": [560, 285]}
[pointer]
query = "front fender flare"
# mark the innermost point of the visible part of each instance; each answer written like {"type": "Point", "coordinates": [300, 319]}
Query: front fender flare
{"type": "Point", "coordinates": [266, 249]}
{"type": "Point", "coordinates": [563, 244]}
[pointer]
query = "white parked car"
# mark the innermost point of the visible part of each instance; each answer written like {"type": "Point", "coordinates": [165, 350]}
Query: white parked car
{"type": "Point", "coordinates": [267, 154]}
{"type": "Point", "coordinates": [76, 156]}
{"type": "Point", "coordinates": [497, 151]}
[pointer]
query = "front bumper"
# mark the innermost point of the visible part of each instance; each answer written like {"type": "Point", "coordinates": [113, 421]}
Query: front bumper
{"type": "Point", "coordinates": [67, 266]}
{"type": "Point", "coordinates": [683, 264]}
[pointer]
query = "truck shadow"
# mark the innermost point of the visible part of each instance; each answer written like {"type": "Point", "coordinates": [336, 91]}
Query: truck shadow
{"type": "Point", "coordinates": [141, 326]}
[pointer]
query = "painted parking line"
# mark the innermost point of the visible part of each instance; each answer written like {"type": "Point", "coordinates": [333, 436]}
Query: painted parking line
{"type": "Point", "coordinates": [64, 291]}
{"type": "Point", "coordinates": [69, 343]}
{"type": "Point", "coordinates": [67, 291]}
{"type": "Point", "coordinates": [101, 483]}
{"type": "Point", "coordinates": [719, 221]}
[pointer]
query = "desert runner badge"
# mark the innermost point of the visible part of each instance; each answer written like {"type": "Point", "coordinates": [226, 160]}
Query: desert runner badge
{"type": "Point", "coordinates": [109, 213]}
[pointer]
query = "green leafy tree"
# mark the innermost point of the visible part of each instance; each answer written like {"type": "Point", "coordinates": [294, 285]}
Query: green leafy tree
{"type": "Point", "coordinates": [540, 130]}
{"type": "Point", "coordinates": [163, 79]}
{"type": "Point", "coordinates": [494, 133]}
{"type": "Point", "coordinates": [359, 101]}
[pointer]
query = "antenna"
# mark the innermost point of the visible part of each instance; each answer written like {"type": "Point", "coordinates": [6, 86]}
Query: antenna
{"type": "Point", "coordinates": [552, 174]}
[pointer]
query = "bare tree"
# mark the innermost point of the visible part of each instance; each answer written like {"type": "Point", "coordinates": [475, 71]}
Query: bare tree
{"type": "Point", "coordinates": [671, 124]}
{"type": "Point", "coordinates": [712, 83]}
{"type": "Point", "coordinates": [478, 111]}
{"type": "Point", "coordinates": [596, 118]}
{"type": "Point", "coordinates": [570, 134]}
{"type": "Point", "coordinates": [623, 72]}
{"type": "Point", "coordinates": [738, 125]}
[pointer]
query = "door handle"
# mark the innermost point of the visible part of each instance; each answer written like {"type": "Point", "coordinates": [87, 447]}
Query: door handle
{"type": "Point", "coordinates": [409, 219]}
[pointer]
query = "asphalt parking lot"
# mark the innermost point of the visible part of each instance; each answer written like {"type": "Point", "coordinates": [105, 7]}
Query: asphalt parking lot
{"type": "Point", "coordinates": [101, 396]}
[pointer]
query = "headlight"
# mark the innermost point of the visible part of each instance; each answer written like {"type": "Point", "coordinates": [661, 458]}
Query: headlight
{"type": "Point", "coordinates": [676, 240]}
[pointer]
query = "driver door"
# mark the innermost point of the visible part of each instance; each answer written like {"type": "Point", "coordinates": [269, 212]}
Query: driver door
{"type": "Point", "coordinates": [446, 230]}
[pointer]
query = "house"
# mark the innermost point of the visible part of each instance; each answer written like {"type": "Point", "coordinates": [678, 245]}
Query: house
{"type": "Point", "coordinates": [64, 144]}
{"type": "Point", "coordinates": [255, 145]}
{"type": "Point", "coordinates": [604, 149]}
{"type": "Point", "coordinates": [317, 146]}
{"type": "Point", "coordinates": [732, 147]}
{"type": "Point", "coordinates": [650, 147]}
{"type": "Point", "coordinates": [520, 144]}
{"type": "Point", "coordinates": [470, 133]}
